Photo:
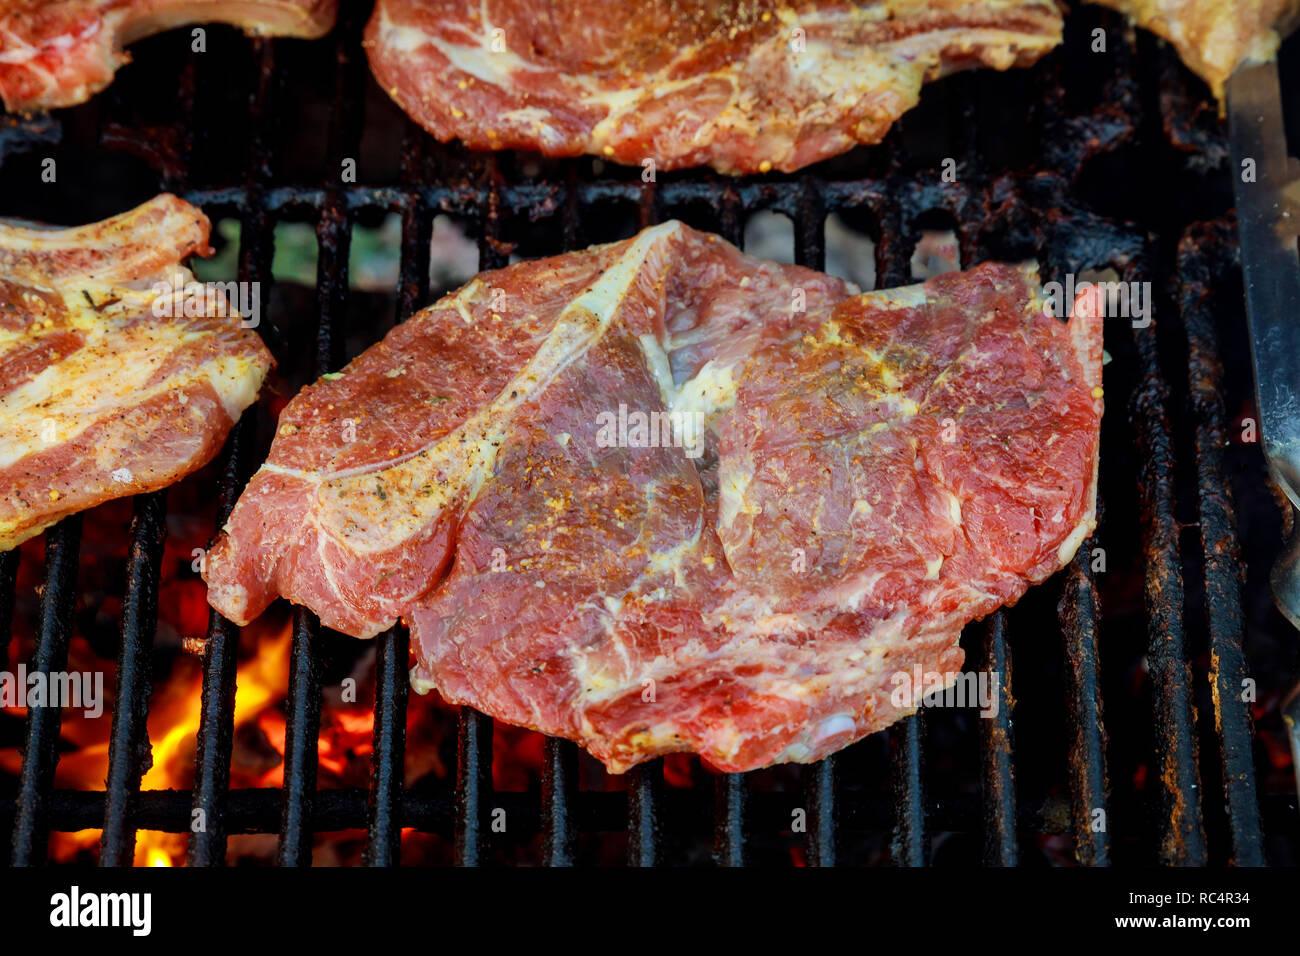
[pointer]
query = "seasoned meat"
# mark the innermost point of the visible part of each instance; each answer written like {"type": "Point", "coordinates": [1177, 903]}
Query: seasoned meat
{"type": "Point", "coordinates": [1213, 37]}
{"type": "Point", "coordinates": [57, 53]}
{"type": "Point", "coordinates": [740, 85]}
{"type": "Point", "coordinates": [660, 496]}
{"type": "Point", "coordinates": [108, 386]}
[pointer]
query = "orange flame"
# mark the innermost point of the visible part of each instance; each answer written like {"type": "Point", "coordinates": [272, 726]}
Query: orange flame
{"type": "Point", "coordinates": [174, 722]}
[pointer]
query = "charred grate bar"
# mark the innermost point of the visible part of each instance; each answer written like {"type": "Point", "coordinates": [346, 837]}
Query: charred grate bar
{"type": "Point", "coordinates": [1204, 253]}
{"type": "Point", "coordinates": [128, 752]}
{"type": "Point", "coordinates": [1036, 212]}
{"type": "Point", "coordinates": [32, 817]}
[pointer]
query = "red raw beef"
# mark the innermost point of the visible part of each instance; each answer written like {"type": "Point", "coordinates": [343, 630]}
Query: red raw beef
{"type": "Point", "coordinates": [740, 85]}
{"type": "Point", "coordinates": [874, 471]}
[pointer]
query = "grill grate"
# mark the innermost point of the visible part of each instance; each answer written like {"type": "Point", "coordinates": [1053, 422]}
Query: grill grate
{"type": "Point", "coordinates": [999, 212]}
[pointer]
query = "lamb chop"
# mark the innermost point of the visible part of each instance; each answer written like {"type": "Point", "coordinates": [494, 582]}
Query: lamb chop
{"type": "Point", "coordinates": [118, 373]}
{"type": "Point", "coordinates": [56, 53]}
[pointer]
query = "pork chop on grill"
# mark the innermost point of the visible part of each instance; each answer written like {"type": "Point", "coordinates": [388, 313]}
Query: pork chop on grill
{"type": "Point", "coordinates": [740, 85]}
{"type": "Point", "coordinates": [1213, 37]}
{"type": "Point", "coordinates": [56, 53]}
{"type": "Point", "coordinates": [108, 387]}
{"type": "Point", "coordinates": [661, 496]}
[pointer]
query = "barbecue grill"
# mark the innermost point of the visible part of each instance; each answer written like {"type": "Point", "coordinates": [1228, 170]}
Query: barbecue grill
{"type": "Point", "coordinates": [1122, 735]}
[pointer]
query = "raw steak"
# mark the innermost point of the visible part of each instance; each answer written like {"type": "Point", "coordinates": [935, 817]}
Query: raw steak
{"type": "Point", "coordinates": [738, 85]}
{"type": "Point", "coordinates": [1214, 37]}
{"type": "Point", "coordinates": [852, 478]}
{"type": "Point", "coordinates": [101, 396]}
{"type": "Point", "coordinates": [57, 53]}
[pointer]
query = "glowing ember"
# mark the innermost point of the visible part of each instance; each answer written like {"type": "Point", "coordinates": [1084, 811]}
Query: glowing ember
{"type": "Point", "coordinates": [174, 721]}
{"type": "Point", "coordinates": [173, 724]}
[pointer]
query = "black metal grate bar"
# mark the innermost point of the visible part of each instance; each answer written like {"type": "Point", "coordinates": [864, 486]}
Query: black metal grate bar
{"type": "Point", "coordinates": [1182, 836]}
{"type": "Point", "coordinates": [8, 586]}
{"type": "Point", "coordinates": [302, 730]}
{"type": "Point", "coordinates": [819, 791]}
{"type": "Point", "coordinates": [334, 240]}
{"type": "Point", "coordinates": [473, 785]}
{"type": "Point", "coordinates": [40, 752]}
{"type": "Point", "coordinates": [384, 808]}
{"type": "Point", "coordinates": [1201, 256]}
{"type": "Point", "coordinates": [217, 715]}
{"type": "Point", "coordinates": [559, 784]}
{"type": "Point", "coordinates": [644, 799]}
{"type": "Point", "coordinates": [731, 795]}
{"type": "Point", "coordinates": [908, 845]}
{"type": "Point", "coordinates": [9, 561]}
{"type": "Point", "coordinates": [207, 845]}
{"type": "Point", "coordinates": [249, 810]}
{"type": "Point", "coordinates": [1078, 610]}
{"type": "Point", "coordinates": [997, 778]}
{"type": "Point", "coordinates": [128, 749]}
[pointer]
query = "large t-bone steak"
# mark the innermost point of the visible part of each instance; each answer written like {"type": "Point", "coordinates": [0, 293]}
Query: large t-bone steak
{"type": "Point", "coordinates": [874, 472]}
{"type": "Point", "coordinates": [118, 374]}
{"type": "Point", "coordinates": [740, 85]}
